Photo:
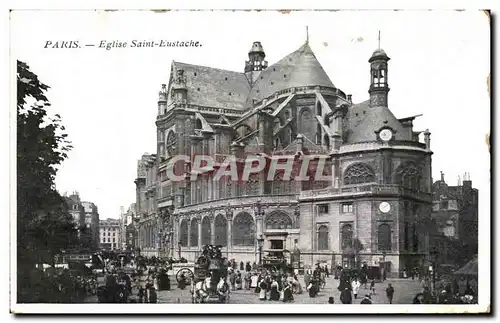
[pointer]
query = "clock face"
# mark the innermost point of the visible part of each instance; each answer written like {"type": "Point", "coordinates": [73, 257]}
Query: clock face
{"type": "Point", "coordinates": [385, 135]}
{"type": "Point", "coordinates": [384, 207]}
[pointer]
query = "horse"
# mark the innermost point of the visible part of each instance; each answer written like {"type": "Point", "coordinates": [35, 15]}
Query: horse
{"type": "Point", "coordinates": [201, 290]}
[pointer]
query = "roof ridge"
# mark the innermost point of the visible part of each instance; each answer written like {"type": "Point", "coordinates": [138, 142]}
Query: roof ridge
{"type": "Point", "coordinates": [204, 66]}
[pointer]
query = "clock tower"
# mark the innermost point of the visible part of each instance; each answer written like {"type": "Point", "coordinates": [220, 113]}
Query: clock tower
{"type": "Point", "coordinates": [379, 88]}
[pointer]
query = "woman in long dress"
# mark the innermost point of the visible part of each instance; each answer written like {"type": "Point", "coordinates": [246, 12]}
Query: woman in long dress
{"type": "Point", "coordinates": [275, 294]}
{"type": "Point", "coordinates": [287, 293]}
{"type": "Point", "coordinates": [262, 290]}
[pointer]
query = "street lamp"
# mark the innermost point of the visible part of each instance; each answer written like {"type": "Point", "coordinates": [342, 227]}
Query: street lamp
{"type": "Point", "coordinates": [434, 254]}
{"type": "Point", "coordinates": [260, 242]}
{"type": "Point", "coordinates": [384, 274]}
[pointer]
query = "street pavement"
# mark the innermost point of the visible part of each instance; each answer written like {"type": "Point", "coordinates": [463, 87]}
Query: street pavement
{"type": "Point", "coordinates": [405, 290]}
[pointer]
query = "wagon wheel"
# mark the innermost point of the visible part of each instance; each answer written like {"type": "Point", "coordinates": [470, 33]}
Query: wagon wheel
{"type": "Point", "coordinates": [188, 275]}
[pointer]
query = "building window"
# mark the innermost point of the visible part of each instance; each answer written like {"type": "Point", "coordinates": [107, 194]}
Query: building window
{"type": "Point", "coordinates": [75, 207]}
{"type": "Point", "coordinates": [384, 237]}
{"type": "Point", "coordinates": [114, 240]}
{"type": "Point", "coordinates": [323, 238]}
{"type": "Point", "coordinates": [323, 209]}
{"type": "Point", "coordinates": [347, 208]}
{"type": "Point", "coordinates": [443, 205]}
{"type": "Point", "coordinates": [358, 174]}
{"type": "Point", "coordinates": [243, 230]}
{"type": "Point", "coordinates": [183, 236]}
{"type": "Point", "coordinates": [206, 231]}
{"type": "Point", "coordinates": [220, 230]}
{"type": "Point", "coordinates": [278, 184]}
{"type": "Point", "coordinates": [408, 176]}
{"type": "Point", "coordinates": [253, 185]}
{"type": "Point", "coordinates": [194, 233]}
{"type": "Point", "coordinates": [346, 236]}
{"type": "Point", "coordinates": [278, 220]}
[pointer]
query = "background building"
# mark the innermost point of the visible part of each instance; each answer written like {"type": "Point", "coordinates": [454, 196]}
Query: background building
{"type": "Point", "coordinates": [76, 210]}
{"type": "Point", "coordinates": [109, 233]}
{"type": "Point", "coordinates": [91, 231]}
{"type": "Point", "coordinates": [375, 206]}
{"type": "Point", "coordinates": [455, 212]}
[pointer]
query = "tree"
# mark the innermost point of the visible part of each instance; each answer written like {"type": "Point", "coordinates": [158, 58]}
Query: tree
{"type": "Point", "coordinates": [44, 225]}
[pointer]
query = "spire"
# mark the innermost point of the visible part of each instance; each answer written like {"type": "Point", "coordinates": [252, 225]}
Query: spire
{"type": "Point", "coordinates": [307, 34]}
{"type": "Point", "coordinates": [379, 39]}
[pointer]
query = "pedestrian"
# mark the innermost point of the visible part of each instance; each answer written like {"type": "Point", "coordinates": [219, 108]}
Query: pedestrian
{"type": "Point", "coordinates": [331, 300]}
{"type": "Point", "coordinates": [372, 287]}
{"type": "Point", "coordinates": [355, 287]}
{"type": "Point", "coordinates": [232, 280]}
{"type": "Point", "coordinates": [345, 296]}
{"type": "Point", "coordinates": [366, 300]}
{"type": "Point", "coordinates": [390, 293]}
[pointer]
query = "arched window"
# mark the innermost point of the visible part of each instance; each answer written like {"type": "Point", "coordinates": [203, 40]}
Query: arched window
{"type": "Point", "coordinates": [327, 141]}
{"type": "Point", "coordinates": [278, 184]}
{"type": "Point", "coordinates": [358, 174]}
{"type": "Point", "coordinates": [243, 230]}
{"type": "Point", "coordinates": [323, 238]}
{"type": "Point", "coordinates": [198, 124]}
{"type": "Point", "coordinates": [318, 134]}
{"type": "Point", "coordinates": [194, 233]}
{"type": "Point", "coordinates": [171, 143]}
{"type": "Point", "coordinates": [319, 110]}
{"type": "Point", "coordinates": [346, 236]}
{"type": "Point", "coordinates": [306, 123]}
{"type": "Point", "coordinates": [408, 176]}
{"type": "Point", "coordinates": [253, 185]}
{"type": "Point", "coordinates": [384, 237]}
{"type": "Point", "coordinates": [206, 231]}
{"type": "Point", "coordinates": [278, 220]}
{"type": "Point", "coordinates": [187, 196]}
{"type": "Point", "coordinates": [183, 233]}
{"type": "Point", "coordinates": [220, 230]}
{"type": "Point", "coordinates": [229, 188]}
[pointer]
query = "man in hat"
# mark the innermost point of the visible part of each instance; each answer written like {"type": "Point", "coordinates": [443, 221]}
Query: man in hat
{"type": "Point", "coordinates": [367, 299]}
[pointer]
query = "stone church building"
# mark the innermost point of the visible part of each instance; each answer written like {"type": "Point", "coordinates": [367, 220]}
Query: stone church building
{"type": "Point", "coordinates": [375, 206]}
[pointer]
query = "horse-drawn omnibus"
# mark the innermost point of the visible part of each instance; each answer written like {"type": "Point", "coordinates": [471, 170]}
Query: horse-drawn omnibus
{"type": "Point", "coordinates": [209, 281]}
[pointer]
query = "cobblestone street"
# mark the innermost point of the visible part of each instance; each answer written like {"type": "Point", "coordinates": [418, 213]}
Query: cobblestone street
{"type": "Point", "coordinates": [405, 290]}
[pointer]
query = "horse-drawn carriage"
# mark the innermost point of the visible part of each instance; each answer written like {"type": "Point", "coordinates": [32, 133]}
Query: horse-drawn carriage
{"type": "Point", "coordinates": [210, 277]}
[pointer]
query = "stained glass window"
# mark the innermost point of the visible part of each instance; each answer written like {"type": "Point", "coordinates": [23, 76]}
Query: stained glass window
{"type": "Point", "coordinates": [220, 230]}
{"type": "Point", "coordinates": [278, 220]}
{"type": "Point", "coordinates": [408, 176]}
{"type": "Point", "coordinates": [358, 174]}
{"type": "Point", "coordinates": [243, 230]}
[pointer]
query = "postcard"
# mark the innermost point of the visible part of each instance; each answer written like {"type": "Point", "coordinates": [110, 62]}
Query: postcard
{"type": "Point", "coordinates": [254, 159]}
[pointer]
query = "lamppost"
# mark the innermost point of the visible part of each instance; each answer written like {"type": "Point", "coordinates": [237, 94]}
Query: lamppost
{"type": "Point", "coordinates": [434, 254]}
{"type": "Point", "coordinates": [260, 242]}
{"type": "Point", "coordinates": [384, 267]}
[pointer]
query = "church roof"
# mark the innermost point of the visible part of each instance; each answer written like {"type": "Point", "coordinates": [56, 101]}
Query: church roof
{"type": "Point", "coordinates": [213, 87]}
{"type": "Point", "coordinates": [364, 120]}
{"type": "Point", "coordinates": [300, 68]}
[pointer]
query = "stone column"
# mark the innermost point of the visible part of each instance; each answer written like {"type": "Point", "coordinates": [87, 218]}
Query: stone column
{"type": "Point", "coordinates": [229, 219]}
{"type": "Point", "coordinates": [189, 232]}
{"type": "Point", "coordinates": [212, 229]}
{"type": "Point", "coordinates": [198, 219]}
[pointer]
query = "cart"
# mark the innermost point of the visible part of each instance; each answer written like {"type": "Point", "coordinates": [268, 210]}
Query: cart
{"type": "Point", "coordinates": [209, 282]}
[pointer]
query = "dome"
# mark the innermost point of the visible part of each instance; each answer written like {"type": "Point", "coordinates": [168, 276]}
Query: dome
{"type": "Point", "coordinates": [379, 53]}
{"type": "Point", "coordinates": [256, 48]}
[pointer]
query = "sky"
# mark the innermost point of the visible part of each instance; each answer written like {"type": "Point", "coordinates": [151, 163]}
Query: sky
{"type": "Point", "coordinates": [108, 98]}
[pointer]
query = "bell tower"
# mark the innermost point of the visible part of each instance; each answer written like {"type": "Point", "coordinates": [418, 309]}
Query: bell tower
{"type": "Point", "coordinates": [256, 62]}
{"type": "Point", "coordinates": [379, 87]}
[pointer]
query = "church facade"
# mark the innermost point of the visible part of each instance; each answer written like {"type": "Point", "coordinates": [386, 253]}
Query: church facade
{"type": "Point", "coordinates": [373, 204]}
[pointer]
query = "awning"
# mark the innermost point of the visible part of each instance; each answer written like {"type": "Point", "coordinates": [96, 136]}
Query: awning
{"type": "Point", "coordinates": [469, 269]}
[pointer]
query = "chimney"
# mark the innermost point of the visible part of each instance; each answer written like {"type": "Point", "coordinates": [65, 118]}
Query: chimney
{"type": "Point", "coordinates": [442, 176]}
{"type": "Point", "coordinates": [349, 98]}
{"type": "Point", "coordinates": [427, 139]}
{"type": "Point", "coordinates": [300, 142]}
